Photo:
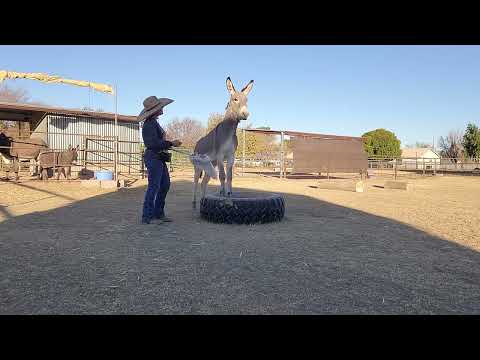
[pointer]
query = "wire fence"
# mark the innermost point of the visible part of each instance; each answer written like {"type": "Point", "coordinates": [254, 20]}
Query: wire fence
{"type": "Point", "coordinates": [127, 158]}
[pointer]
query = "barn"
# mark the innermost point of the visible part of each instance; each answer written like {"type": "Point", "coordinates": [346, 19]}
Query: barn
{"type": "Point", "coordinates": [93, 132]}
{"type": "Point", "coordinates": [319, 153]}
{"type": "Point", "coordinates": [416, 158]}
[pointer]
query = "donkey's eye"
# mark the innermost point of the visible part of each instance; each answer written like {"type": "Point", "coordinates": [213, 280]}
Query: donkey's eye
{"type": "Point", "coordinates": [236, 100]}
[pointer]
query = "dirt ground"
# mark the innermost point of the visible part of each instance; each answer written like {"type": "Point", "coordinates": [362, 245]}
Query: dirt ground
{"type": "Point", "coordinates": [72, 250]}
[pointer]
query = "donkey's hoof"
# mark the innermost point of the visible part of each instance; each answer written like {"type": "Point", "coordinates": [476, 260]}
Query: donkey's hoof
{"type": "Point", "coordinates": [194, 204]}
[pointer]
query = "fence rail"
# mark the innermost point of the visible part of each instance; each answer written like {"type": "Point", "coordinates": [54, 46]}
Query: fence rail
{"type": "Point", "coordinates": [101, 152]}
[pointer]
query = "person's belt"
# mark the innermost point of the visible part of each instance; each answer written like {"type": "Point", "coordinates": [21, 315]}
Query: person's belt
{"type": "Point", "coordinates": [162, 155]}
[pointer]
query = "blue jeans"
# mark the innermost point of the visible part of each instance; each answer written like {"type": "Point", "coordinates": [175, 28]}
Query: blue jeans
{"type": "Point", "coordinates": [158, 186]}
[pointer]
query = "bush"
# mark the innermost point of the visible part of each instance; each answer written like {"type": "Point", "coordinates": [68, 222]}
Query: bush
{"type": "Point", "coordinates": [381, 143]}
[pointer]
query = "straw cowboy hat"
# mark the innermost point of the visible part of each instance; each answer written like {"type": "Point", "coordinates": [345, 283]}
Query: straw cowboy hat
{"type": "Point", "coordinates": [151, 106]}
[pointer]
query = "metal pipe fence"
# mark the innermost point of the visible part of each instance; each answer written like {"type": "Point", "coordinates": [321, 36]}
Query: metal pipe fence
{"type": "Point", "coordinates": [98, 152]}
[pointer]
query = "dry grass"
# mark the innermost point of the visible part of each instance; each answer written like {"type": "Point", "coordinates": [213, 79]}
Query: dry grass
{"type": "Point", "coordinates": [67, 249]}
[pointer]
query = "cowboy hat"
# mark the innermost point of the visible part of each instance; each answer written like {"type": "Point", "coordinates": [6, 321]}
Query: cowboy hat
{"type": "Point", "coordinates": [151, 106]}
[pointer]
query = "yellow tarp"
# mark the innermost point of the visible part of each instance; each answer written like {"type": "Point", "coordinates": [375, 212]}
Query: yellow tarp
{"type": "Point", "coordinates": [54, 79]}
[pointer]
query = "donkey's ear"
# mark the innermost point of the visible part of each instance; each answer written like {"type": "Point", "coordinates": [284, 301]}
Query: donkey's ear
{"type": "Point", "coordinates": [78, 146]}
{"type": "Point", "coordinates": [247, 88]}
{"type": "Point", "coordinates": [230, 87]}
{"type": "Point", "coordinates": [69, 147]}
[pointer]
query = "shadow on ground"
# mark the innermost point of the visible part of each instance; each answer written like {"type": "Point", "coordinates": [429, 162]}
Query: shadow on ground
{"type": "Point", "coordinates": [303, 176]}
{"type": "Point", "coordinates": [93, 257]}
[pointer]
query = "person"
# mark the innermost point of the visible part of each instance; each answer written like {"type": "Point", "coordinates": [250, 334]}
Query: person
{"type": "Point", "coordinates": [156, 147]}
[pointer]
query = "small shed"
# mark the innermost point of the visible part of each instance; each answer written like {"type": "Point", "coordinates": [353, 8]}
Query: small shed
{"type": "Point", "coordinates": [61, 127]}
{"type": "Point", "coordinates": [419, 155]}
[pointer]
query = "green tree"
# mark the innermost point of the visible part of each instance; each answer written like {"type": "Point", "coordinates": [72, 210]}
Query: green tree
{"type": "Point", "coordinates": [381, 143]}
{"type": "Point", "coordinates": [471, 141]}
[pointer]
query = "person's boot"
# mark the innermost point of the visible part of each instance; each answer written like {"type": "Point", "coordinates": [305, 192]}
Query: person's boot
{"type": "Point", "coordinates": [164, 219]}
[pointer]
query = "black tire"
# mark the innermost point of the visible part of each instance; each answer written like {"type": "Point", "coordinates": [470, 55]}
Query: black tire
{"type": "Point", "coordinates": [243, 208]}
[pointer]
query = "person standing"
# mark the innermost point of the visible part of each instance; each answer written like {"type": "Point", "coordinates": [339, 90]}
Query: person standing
{"type": "Point", "coordinates": [156, 156]}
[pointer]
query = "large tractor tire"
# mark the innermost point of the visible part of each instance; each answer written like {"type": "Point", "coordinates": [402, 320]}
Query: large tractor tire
{"type": "Point", "coordinates": [243, 208]}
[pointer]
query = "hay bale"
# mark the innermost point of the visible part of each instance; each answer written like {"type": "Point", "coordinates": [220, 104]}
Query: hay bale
{"type": "Point", "coordinates": [355, 186]}
{"type": "Point", "coordinates": [399, 185]}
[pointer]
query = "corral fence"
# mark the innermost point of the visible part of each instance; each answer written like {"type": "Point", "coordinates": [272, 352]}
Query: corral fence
{"type": "Point", "coordinates": [417, 166]}
{"type": "Point", "coordinates": [126, 157]}
{"type": "Point", "coordinates": [94, 153]}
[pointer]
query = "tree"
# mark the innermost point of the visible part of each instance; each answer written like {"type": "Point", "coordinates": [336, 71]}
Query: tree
{"type": "Point", "coordinates": [213, 120]}
{"type": "Point", "coordinates": [8, 94]}
{"type": "Point", "coordinates": [187, 130]}
{"type": "Point", "coordinates": [471, 141]}
{"type": "Point", "coordinates": [419, 145]}
{"type": "Point", "coordinates": [451, 146]}
{"type": "Point", "coordinates": [381, 143]}
{"type": "Point", "coordinates": [12, 95]}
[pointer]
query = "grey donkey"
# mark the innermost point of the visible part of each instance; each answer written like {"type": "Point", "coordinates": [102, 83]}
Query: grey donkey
{"type": "Point", "coordinates": [221, 143]}
{"type": "Point", "coordinates": [59, 160]}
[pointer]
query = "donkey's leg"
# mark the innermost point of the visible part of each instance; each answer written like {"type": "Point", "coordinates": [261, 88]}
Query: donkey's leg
{"type": "Point", "coordinates": [230, 161]}
{"type": "Point", "coordinates": [32, 167]}
{"type": "Point", "coordinates": [16, 168]}
{"type": "Point", "coordinates": [62, 171]}
{"type": "Point", "coordinates": [221, 175]}
{"type": "Point", "coordinates": [205, 181]}
{"type": "Point", "coordinates": [196, 177]}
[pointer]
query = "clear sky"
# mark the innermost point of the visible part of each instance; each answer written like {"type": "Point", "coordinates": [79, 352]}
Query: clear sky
{"type": "Point", "coordinates": [419, 92]}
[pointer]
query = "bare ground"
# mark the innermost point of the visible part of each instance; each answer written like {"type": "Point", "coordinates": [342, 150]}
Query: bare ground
{"type": "Point", "coordinates": [72, 250]}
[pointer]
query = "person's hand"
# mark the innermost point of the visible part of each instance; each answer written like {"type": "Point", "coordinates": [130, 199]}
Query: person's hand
{"type": "Point", "coordinates": [176, 143]}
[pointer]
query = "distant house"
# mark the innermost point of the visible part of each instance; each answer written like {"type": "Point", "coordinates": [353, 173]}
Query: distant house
{"type": "Point", "coordinates": [418, 156]}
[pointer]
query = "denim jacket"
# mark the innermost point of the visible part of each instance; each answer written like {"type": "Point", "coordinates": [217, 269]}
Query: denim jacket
{"type": "Point", "coordinates": [154, 138]}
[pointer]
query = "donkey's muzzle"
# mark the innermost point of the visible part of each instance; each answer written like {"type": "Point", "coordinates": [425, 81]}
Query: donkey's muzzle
{"type": "Point", "coordinates": [244, 115]}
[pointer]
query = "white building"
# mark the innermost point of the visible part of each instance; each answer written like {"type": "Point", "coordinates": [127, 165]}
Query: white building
{"type": "Point", "coordinates": [417, 157]}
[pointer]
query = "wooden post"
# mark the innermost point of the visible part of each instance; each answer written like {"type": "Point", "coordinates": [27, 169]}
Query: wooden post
{"type": "Point", "coordinates": [243, 152]}
{"type": "Point", "coordinates": [115, 166]}
{"type": "Point", "coordinates": [423, 167]}
{"type": "Point", "coordinates": [395, 168]}
{"type": "Point", "coordinates": [282, 163]}
{"type": "Point", "coordinates": [54, 163]}
{"type": "Point", "coordinates": [85, 153]}
{"type": "Point", "coordinates": [129, 158]}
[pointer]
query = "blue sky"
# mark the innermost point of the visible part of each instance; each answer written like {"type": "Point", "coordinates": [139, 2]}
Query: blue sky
{"type": "Point", "coordinates": [419, 92]}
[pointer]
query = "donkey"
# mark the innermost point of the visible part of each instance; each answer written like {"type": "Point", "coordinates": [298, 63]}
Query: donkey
{"type": "Point", "coordinates": [221, 143]}
{"type": "Point", "coordinates": [12, 151]}
{"type": "Point", "coordinates": [59, 160]}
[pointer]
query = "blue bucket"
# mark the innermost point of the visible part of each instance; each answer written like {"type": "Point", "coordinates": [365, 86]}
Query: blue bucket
{"type": "Point", "coordinates": [103, 175]}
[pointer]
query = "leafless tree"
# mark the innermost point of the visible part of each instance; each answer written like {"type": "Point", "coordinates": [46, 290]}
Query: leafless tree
{"type": "Point", "coordinates": [8, 94]}
{"type": "Point", "coordinates": [187, 130]}
{"type": "Point", "coordinates": [14, 95]}
{"type": "Point", "coordinates": [451, 145]}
